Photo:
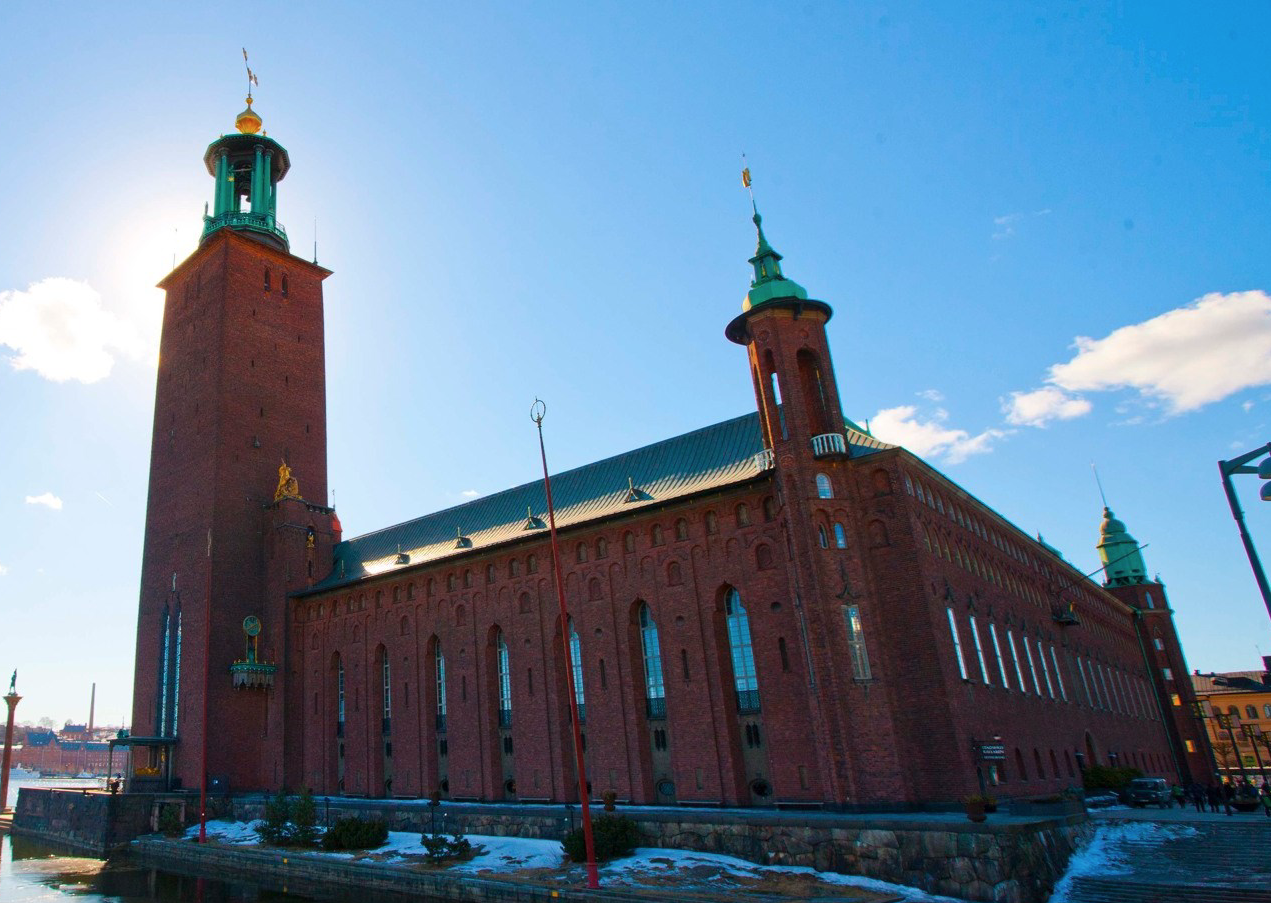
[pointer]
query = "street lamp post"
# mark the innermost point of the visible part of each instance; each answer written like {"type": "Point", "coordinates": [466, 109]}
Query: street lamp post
{"type": "Point", "coordinates": [1224, 721]}
{"type": "Point", "coordinates": [1241, 465]}
{"type": "Point", "coordinates": [1254, 733]}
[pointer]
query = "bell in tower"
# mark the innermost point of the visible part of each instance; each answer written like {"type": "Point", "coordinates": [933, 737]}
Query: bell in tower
{"type": "Point", "coordinates": [247, 166]}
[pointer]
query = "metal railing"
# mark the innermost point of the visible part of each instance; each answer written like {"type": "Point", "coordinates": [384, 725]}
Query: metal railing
{"type": "Point", "coordinates": [828, 444]}
{"type": "Point", "coordinates": [764, 460]}
{"type": "Point", "coordinates": [747, 702]}
{"type": "Point", "coordinates": [655, 708]}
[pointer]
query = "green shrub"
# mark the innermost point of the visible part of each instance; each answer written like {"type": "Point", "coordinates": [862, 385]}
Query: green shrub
{"type": "Point", "coordinates": [276, 829]}
{"type": "Point", "coordinates": [1107, 777]}
{"type": "Point", "coordinates": [304, 821]}
{"type": "Point", "coordinates": [170, 822]}
{"type": "Point", "coordinates": [353, 833]}
{"type": "Point", "coordinates": [615, 835]}
{"type": "Point", "coordinates": [441, 848]}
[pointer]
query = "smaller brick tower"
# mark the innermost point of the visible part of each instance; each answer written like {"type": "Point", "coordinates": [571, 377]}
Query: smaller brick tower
{"type": "Point", "coordinates": [805, 437]}
{"type": "Point", "coordinates": [1125, 576]}
{"type": "Point", "coordinates": [240, 388]}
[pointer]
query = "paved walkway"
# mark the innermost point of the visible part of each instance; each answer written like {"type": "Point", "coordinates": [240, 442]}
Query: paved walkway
{"type": "Point", "coordinates": [1178, 856]}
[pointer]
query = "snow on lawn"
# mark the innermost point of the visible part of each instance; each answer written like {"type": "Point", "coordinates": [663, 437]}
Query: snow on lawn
{"type": "Point", "coordinates": [1108, 851]}
{"type": "Point", "coordinates": [650, 866]}
{"type": "Point", "coordinates": [228, 831]}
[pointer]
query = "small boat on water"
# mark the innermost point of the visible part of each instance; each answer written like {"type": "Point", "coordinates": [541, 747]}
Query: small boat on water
{"type": "Point", "coordinates": [18, 773]}
{"type": "Point", "coordinates": [83, 775]}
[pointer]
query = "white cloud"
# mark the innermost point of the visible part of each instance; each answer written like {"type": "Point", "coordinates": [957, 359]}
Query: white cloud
{"type": "Point", "coordinates": [934, 395]}
{"type": "Point", "coordinates": [3, 570]}
{"type": "Point", "coordinates": [470, 493]}
{"type": "Point", "coordinates": [60, 330]}
{"type": "Point", "coordinates": [1040, 406]}
{"type": "Point", "coordinates": [930, 436]}
{"type": "Point", "coordinates": [1004, 226]}
{"type": "Point", "coordinates": [1247, 406]}
{"type": "Point", "coordinates": [1185, 358]}
{"type": "Point", "coordinates": [47, 499]}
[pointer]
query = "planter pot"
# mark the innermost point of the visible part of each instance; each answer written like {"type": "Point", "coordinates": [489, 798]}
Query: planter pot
{"type": "Point", "coordinates": [975, 812]}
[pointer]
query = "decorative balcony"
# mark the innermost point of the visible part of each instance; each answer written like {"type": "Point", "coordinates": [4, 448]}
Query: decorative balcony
{"type": "Point", "coordinates": [764, 460]}
{"type": "Point", "coordinates": [251, 675]}
{"type": "Point", "coordinates": [265, 224]}
{"type": "Point", "coordinates": [1065, 616]}
{"type": "Point", "coordinates": [828, 444]}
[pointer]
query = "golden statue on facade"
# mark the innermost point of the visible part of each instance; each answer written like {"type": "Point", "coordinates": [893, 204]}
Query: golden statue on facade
{"type": "Point", "coordinates": [288, 488]}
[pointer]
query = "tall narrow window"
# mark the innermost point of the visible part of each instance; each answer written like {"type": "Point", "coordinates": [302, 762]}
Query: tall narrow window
{"type": "Point", "coordinates": [505, 681]}
{"type": "Point", "coordinates": [823, 488]}
{"type": "Point", "coordinates": [1085, 685]}
{"type": "Point", "coordinates": [1059, 679]}
{"type": "Point", "coordinates": [1103, 682]}
{"type": "Point", "coordinates": [856, 642]}
{"type": "Point", "coordinates": [339, 697]}
{"type": "Point", "coordinates": [441, 688]}
{"type": "Point", "coordinates": [997, 653]}
{"type": "Point", "coordinates": [781, 411]}
{"type": "Point", "coordinates": [957, 643]}
{"type": "Point", "coordinates": [1032, 669]}
{"type": "Point", "coordinates": [576, 662]}
{"type": "Point", "coordinates": [654, 686]}
{"type": "Point", "coordinates": [840, 537]}
{"type": "Point", "coordinates": [979, 651]}
{"type": "Point", "coordinates": [165, 653]}
{"type": "Point", "coordinates": [176, 679]}
{"type": "Point", "coordinates": [1041, 656]}
{"type": "Point", "coordinates": [745, 679]}
{"type": "Point", "coordinates": [1019, 675]}
{"type": "Point", "coordinates": [387, 678]}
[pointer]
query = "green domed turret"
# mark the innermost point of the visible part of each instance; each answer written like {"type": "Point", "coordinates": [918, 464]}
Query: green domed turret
{"type": "Point", "coordinates": [1122, 561]}
{"type": "Point", "coordinates": [769, 283]}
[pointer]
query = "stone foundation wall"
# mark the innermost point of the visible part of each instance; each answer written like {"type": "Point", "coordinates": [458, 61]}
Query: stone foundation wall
{"type": "Point", "coordinates": [97, 823]}
{"type": "Point", "coordinates": [1000, 862]}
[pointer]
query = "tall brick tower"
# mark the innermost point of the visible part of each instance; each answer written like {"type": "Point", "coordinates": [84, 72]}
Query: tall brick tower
{"type": "Point", "coordinates": [804, 430]}
{"type": "Point", "coordinates": [241, 390]}
{"type": "Point", "coordinates": [1125, 576]}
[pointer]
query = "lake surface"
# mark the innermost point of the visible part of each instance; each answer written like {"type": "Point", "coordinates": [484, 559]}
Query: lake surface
{"type": "Point", "coordinates": [32, 871]}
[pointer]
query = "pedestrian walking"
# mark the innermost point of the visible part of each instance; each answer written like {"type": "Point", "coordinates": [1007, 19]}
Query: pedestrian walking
{"type": "Point", "coordinates": [1228, 794]}
{"type": "Point", "coordinates": [1198, 796]}
{"type": "Point", "coordinates": [1212, 797]}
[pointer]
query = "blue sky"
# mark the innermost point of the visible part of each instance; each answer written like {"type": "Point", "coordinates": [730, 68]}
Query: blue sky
{"type": "Point", "coordinates": [523, 200]}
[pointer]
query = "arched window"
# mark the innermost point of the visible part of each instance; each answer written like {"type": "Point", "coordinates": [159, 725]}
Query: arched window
{"type": "Point", "coordinates": [595, 592]}
{"type": "Point", "coordinates": [674, 575]}
{"type": "Point", "coordinates": [531, 564]}
{"type": "Point", "coordinates": [505, 680]}
{"type": "Point", "coordinates": [823, 488]}
{"type": "Point", "coordinates": [514, 567]}
{"type": "Point", "coordinates": [856, 642]}
{"type": "Point", "coordinates": [602, 548]}
{"type": "Point", "coordinates": [267, 286]}
{"type": "Point", "coordinates": [1037, 762]}
{"type": "Point", "coordinates": [525, 604]}
{"type": "Point", "coordinates": [1251, 712]}
{"type": "Point", "coordinates": [490, 573]}
{"type": "Point", "coordinates": [1019, 765]}
{"type": "Point", "coordinates": [284, 284]}
{"type": "Point", "coordinates": [712, 522]}
{"type": "Point", "coordinates": [628, 541]}
{"type": "Point", "coordinates": [404, 626]}
{"type": "Point", "coordinates": [440, 662]}
{"type": "Point", "coordinates": [654, 686]}
{"type": "Point", "coordinates": [882, 482]}
{"type": "Point", "coordinates": [386, 686]}
{"type": "Point", "coordinates": [580, 552]}
{"type": "Point", "coordinates": [814, 395]}
{"type": "Point", "coordinates": [745, 679]}
{"type": "Point", "coordinates": [430, 587]}
{"type": "Point", "coordinates": [451, 583]}
{"type": "Point", "coordinates": [840, 537]}
{"type": "Point", "coordinates": [576, 662]}
{"type": "Point", "coordinates": [821, 537]}
{"type": "Point", "coordinates": [769, 509]}
{"type": "Point", "coordinates": [1266, 710]}
{"type": "Point", "coordinates": [339, 696]}
{"type": "Point", "coordinates": [763, 557]}
{"type": "Point", "coordinates": [681, 529]}
{"type": "Point", "coordinates": [467, 579]}
{"type": "Point", "coordinates": [743, 515]}
{"type": "Point", "coordinates": [1147, 597]}
{"type": "Point", "coordinates": [655, 535]}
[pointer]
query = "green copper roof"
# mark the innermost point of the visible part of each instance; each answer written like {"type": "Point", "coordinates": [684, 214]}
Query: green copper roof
{"type": "Point", "coordinates": [1119, 552]}
{"type": "Point", "coordinates": [769, 283]}
{"type": "Point", "coordinates": [714, 457]}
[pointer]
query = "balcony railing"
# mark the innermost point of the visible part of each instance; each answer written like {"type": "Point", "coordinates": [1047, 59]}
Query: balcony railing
{"type": "Point", "coordinates": [655, 708]}
{"type": "Point", "coordinates": [828, 444]}
{"type": "Point", "coordinates": [764, 460]}
{"type": "Point", "coordinates": [256, 222]}
{"type": "Point", "coordinates": [747, 702]}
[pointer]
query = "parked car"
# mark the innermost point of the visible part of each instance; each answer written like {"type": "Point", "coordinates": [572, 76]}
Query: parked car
{"type": "Point", "coordinates": [1146, 792]}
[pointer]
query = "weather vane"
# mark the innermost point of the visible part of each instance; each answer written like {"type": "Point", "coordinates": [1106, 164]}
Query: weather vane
{"type": "Point", "coordinates": [745, 181]}
{"type": "Point", "coordinates": [251, 77]}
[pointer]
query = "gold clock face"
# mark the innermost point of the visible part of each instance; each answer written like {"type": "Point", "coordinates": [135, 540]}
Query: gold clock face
{"type": "Point", "coordinates": [251, 625]}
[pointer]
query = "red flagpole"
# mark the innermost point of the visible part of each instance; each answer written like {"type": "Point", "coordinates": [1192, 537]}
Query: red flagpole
{"type": "Point", "coordinates": [537, 413]}
{"type": "Point", "coordinates": [207, 686]}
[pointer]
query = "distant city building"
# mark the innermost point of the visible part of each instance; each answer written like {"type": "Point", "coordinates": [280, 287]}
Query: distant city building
{"type": "Point", "coordinates": [68, 752]}
{"type": "Point", "coordinates": [777, 609]}
{"type": "Point", "coordinates": [1244, 697]}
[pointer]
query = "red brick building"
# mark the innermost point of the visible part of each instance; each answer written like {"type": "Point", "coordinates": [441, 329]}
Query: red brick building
{"type": "Point", "coordinates": [776, 609]}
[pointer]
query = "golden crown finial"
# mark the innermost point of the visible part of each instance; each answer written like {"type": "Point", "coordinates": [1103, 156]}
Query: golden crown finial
{"type": "Point", "coordinates": [249, 121]}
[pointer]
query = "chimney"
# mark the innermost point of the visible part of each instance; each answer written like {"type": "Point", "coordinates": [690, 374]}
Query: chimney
{"type": "Point", "coordinates": [92, 708]}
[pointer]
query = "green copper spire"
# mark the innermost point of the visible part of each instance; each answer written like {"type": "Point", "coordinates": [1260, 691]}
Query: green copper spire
{"type": "Point", "coordinates": [1119, 552]}
{"type": "Point", "coordinates": [769, 283]}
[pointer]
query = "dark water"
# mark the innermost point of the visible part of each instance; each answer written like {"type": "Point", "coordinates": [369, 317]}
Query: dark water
{"type": "Point", "coordinates": [32, 871]}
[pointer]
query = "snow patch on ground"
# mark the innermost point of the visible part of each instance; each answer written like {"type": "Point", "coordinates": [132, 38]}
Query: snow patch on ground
{"type": "Point", "coordinates": [1107, 854]}
{"type": "Point", "coordinates": [236, 832]}
{"type": "Point", "coordinates": [650, 865]}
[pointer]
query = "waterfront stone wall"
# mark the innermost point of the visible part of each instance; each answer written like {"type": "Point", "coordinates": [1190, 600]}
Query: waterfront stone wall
{"type": "Point", "coordinates": [1001, 861]}
{"type": "Point", "coordinates": [98, 823]}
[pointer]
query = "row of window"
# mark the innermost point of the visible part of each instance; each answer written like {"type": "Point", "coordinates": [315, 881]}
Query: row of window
{"type": "Point", "coordinates": [997, 773]}
{"type": "Point", "coordinates": [741, 656]}
{"type": "Point", "coordinates": [1109, 689]}
{"type": "Point", "coordinates": [269, 280]}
